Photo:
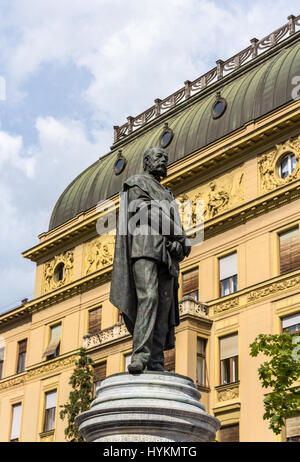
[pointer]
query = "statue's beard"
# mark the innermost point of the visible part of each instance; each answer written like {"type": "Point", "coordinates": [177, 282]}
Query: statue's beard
{"type": "Point", "coordinates": [158, 171]}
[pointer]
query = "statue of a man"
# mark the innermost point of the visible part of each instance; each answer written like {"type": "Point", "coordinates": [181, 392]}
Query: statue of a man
{"type": "Point", "coordinates": [146, 263]}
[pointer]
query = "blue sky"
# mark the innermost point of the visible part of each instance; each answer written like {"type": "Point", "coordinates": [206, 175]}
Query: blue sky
{"type": "Point", "coordinates": [75, 68]}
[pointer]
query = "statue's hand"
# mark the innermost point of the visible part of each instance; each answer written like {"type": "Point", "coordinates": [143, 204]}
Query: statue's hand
{"type": "Point", "coordinates": [176, 250]}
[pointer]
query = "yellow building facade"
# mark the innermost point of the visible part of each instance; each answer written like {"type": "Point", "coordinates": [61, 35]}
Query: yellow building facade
{"type": "Point", "coordinates": [233, 138]}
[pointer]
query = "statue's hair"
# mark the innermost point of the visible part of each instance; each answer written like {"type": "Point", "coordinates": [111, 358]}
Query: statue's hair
{"type": "Point", "coordinates": [146, 157]}
{"type": "Point", "coordinates": [147, 153]}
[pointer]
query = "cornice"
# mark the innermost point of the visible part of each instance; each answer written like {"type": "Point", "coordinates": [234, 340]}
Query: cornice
{"type": "Point", "coordinates": [77, 287]}
{"type": "Point", "coordinates": [265, 290]}
{"type": "Point", "coordinates": [237, 145]}
{"type": "Point", "coordinates": [39, 370]}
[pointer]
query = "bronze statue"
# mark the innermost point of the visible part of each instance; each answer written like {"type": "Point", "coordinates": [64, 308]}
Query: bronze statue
{"type": "Point", "coordinates": [146, 263]}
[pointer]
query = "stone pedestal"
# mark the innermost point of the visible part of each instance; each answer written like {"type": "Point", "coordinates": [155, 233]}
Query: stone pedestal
{"type": "Point", "coordinates": [153, 406]}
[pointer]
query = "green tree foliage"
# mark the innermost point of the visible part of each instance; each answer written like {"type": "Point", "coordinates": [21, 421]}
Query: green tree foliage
{"type": "Point", "coordinates": [279, 374]}
{"type": "Point", "coordinates": [80, 396]}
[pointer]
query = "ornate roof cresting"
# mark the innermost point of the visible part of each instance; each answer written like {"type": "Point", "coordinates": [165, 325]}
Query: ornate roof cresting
{"type": "Point", "coordinates": [221, 69]}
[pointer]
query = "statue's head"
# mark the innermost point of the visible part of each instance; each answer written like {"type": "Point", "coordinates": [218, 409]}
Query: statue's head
{"type": "Point", "coordinates": [156, 162]}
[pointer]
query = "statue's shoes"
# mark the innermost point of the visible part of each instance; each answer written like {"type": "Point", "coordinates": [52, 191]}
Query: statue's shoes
{"type": "Point", "coordinates": [156, 368]}
{"type": "Point", "coordinates": [135, 367]}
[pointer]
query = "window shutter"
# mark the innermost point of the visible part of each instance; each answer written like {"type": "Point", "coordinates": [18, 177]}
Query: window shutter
{"type": "Point", "coordinates": [100, 371]}
{"type": "Point", "coordinates": [229, 434]}
{"type": "Point", "coordinates": [228, 266]}
{"type": "Point", "coordinates": [95, 316]}
{"type": "Point", "coordinates": [229, 346]}
{"type": "Point", "coordinates": [127, 361]}
{"type": "Point", "coordinates": [50, 399]}
{"type": "Point", "coordinates": [293, 426]}
{"type": "Point", "coordinates": [289, 246]}
{"type": "Point", "coordinates": [292, 320]}
{"type": "Point", "coordinates": [53, 344]}
{"type": "Point", "coordinates": [16, 421]}
{"type": "Point", "coordinates": [23, 346]}
{"type": "Point", "coordinates": [190, 281]}
{"type": "Point", "coordinates": [170, 360]}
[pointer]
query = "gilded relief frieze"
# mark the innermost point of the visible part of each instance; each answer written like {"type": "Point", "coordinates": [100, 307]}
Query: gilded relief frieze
{"type": "Point", "coordinates": [98, 254]}
{"type": "Point", "coordinates": [223, 193]}
{"type": "Point", "coordinates": [228, 393]}
{"type": "Point", "coordinates": [58, 271]}
{"type": "Point", "coordinates": [270, 169]}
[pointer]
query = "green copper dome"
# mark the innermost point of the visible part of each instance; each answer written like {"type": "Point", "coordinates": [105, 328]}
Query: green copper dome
{"type": "Point", "coordinates": [250, 92]}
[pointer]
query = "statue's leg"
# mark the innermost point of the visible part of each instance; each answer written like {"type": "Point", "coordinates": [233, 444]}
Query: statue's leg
{"type": "Point", "coordinates": [165, 291]}
{"type": "Point", "coordinates": [145, 273]}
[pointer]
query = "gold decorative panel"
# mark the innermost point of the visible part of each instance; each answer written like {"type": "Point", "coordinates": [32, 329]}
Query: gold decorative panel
{"type": "Point", "coordinates": [51, 278]}
{"type": "Point", "coordinates": [98, 254]}
{"type": "Point", "coordinates": [228, 392]}
{"type": "Point", "coordinates": [268, 165]}
{"type": "Point", "coordinates": [221, 194]}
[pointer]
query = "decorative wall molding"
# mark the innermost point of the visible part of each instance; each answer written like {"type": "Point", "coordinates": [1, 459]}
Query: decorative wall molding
{"type": "Point", "coordinates": [98, 254]}
{"type": "Point", "coordinates": [227, 392]}
{"type": "Point", "coordinates": [49, 367]}
{"type": "Point", "coordinates": [7, 383]}
{"type": "Point", "coordinates": [268, 165]}
{"type": "Point", "coordinates": [115, 332]}
{"type": "Point", "coordinates": [228, 305]}
{"type": "Point", "coordinates": [50, 280]}
{"type": "Point", "coordinates": [273, 289]}
{"type": "Point", "coordinates": [221, 69]}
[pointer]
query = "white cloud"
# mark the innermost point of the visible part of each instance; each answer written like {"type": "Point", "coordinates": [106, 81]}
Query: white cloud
{"type": "Point", "coordinates": [135, 52]}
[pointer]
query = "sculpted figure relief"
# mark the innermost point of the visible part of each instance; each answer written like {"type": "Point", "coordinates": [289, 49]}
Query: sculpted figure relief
{"type": "Point", "coordinates": [146, 263]}
{"type": "Point", "coordinates": [98, 255]}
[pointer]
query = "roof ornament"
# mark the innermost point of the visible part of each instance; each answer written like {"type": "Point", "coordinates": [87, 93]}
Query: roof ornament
{"type": "Point", "coordinates": [221, 70]}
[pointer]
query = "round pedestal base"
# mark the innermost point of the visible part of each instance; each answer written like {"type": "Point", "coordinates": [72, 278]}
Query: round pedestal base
{"type": "Point", "coordinates": [152, 406]}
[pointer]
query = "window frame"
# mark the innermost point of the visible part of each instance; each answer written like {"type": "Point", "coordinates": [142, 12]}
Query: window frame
{"type": "Point", "coordinates": [220, 281]}
{"type": "Point", "coordinates": [231, 362]}
{"type": "Point", "coordinates": [203, 357]}
{"type": "Point", "coordinates": [187, 270]}
{"type": "Point", "coordinates": [18, 371]}
{"type": "Point", "coordinates": [279, 232]}
{"type": "Point", "coordinates": [45, 414]}
{"type": "Point", "coordinates": [18, 403]}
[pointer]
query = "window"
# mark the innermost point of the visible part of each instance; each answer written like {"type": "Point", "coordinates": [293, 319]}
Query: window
{"type": "Point", "coordinates": [169, 362]}
{"type": "Point", "coordinates": [201, 362]}
{"type": "Point", "coordinates": [291, 323]}
{"type": "Point", "coordinates": [289, 250]}
{"type": "Point", "coordinates": [287, 165]}
{"type": "Point", "coordinates": [292, 428]}
{"type": "Point", "coordinates": [120, 317]}
{"type": "Point", "coordinates": [229, 359]}
{"type": "Point", "coordinates": [2, 350]}
{"type": "Point", "coordinates": [95, 316]}
{"type": "Point", "coordinates": [22, 347]}
{"type": "Point", "coordinates": [230, 433]}
{"type": "Point", "coordinates": [53, 348]}
{"type": "Point", "coordinates": [190, 280]}
{"type": "Point", "coordinates": [60, 272]}
{"type": "Point", "coordinates": [50, 406]}
{"type": "Point", "coordinates": [127, 361]}
{"type": "Point", "coordinates": [16, 422]}
{"type": "Point", "coordinates": [100, 374]}
{"type": "Point", "coordinates": [228, 274]}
